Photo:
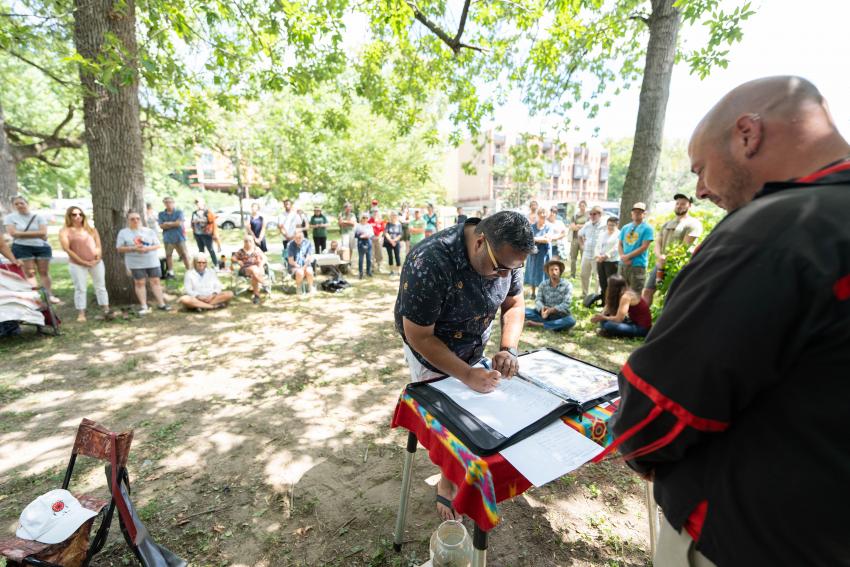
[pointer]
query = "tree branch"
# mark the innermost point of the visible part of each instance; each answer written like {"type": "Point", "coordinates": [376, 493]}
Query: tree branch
{"type": "Point", "coordinates": [47, 142]}
{"type": "Point", "coordinates": [453, 42]}
{"type": "Point", "coordinates": [39, 67]}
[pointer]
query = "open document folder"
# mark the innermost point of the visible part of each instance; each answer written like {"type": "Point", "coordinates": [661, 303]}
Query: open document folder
{"type": "Point", "coordinates": [521, 406]}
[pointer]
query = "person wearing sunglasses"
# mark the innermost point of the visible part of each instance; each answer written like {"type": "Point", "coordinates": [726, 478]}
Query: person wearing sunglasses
{"type": "Point", "coordinates": [202, 287]}
{"type": "Point", "coordinates": [140, 246]}
{"type": "Point", "coordinates": [81, 242]}
{"type": "Point", "coordinates": [451, 287]}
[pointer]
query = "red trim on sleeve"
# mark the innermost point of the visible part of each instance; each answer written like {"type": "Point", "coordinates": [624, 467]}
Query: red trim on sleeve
{"type": "Point", "coordinates": [701, 423]}
{"type": "Point", "coordinates": [845, 165]}
{"type": "Point", "coordinates": [693, 525]}
{"type": "Point", "coordinates": [658, 443]}
{"type": "Point", "coordinates": [656, 411]}
{"type": "Point", "coordinates": [841, 289]}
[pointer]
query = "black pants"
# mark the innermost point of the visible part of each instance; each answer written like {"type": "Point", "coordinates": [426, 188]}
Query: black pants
{"type": "Point", "coordinates": [605, 270]}
{"type": "Point", "coordinates": [393, 250]}
{"type": "Point", "coordinates": [206, 241]}
{"type": "Point", "coordinates": [320, 242]}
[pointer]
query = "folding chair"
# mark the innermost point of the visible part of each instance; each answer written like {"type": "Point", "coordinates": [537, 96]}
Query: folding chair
{"type": "Point", "coordinates": [95, 441]}
{"type": "Point", "coordinates": [241, 284]}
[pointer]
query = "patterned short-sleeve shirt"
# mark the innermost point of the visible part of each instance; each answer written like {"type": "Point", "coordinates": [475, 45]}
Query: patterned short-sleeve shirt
{"type": "Point", "coordinates": [439, 287]}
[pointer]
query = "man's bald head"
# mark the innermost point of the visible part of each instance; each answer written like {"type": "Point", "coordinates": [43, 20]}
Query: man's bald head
{"type": "Point", "coordinates": [769, 129]}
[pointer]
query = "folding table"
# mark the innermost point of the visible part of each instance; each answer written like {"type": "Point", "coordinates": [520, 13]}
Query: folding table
{"type": "Point", "coordinates": [482, 482]}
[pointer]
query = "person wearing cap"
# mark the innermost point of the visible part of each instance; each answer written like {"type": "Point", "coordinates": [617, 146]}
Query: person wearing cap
{"type": "Point", "coordinates": [684, 229]}
{"type": "Point", "coordinates": [736, 404]}
{"type": "Point", "coordinates": [576, 223]}
{"type": "Point", "coordinates": [53, 517]}
{"type": "Point", "coordinates": [347, 220]}
{"type": "Point", "coordinates": [552, 307]}
{"type": "Point", "coordinates": [363, 234]}
{"type": "Point", "coordinates": [588, 237]}
{"type": "Point", "coordinates": [319, 226]}
{"type": "Point", "coordinates": [635, 239]}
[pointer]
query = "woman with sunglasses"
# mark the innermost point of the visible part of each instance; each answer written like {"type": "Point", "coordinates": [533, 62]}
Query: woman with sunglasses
{"type": "Point", "coordinates": [81, 242]}
{"type": "Point", "coordinates": [30, 247]}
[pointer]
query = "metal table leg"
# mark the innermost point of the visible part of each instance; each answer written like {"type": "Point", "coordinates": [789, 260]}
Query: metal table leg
{"type": "Point", "coordinates": [398, 536]}
{"type": "Point", "coordinates": [479, 547]}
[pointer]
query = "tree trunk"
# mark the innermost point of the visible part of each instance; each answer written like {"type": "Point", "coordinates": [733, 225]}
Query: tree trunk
{"type": "Point", "coordinates": [113, 133]}
{"type": "Point", "coordinates": [8, 172]}
{"type": "Point", "coordinates": [654, 92]}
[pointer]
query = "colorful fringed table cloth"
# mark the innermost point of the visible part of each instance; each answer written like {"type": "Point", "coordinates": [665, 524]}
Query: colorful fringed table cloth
{"type": "Point", "coordinates": [483, 482]}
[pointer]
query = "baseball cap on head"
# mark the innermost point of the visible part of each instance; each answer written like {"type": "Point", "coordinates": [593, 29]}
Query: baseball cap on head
{"type": "Point", "coordinates": [52, 517]}
{"type": "Point", "coordinates": [683, 196]}
{"type": "Point", "coordinates": [640, 206]}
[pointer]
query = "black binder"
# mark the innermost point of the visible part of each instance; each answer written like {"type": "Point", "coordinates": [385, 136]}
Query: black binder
{"type": "Point", "coordinates": [479, 437]}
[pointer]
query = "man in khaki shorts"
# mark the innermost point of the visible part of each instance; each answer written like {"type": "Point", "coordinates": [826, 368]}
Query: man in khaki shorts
{"type": "Point", "coordinates": [347, 220]}
{"type": "Point", "coordinates": [173, 236]}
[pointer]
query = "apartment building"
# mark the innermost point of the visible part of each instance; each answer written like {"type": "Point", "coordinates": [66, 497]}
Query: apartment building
{"type": "Point", "coordinates": [476, 172]}
{"type": "Point", "coordinates": [214, 171]}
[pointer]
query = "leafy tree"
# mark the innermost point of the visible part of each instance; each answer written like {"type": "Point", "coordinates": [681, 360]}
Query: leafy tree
{"type": "Point", "coordinates": [559, 54]}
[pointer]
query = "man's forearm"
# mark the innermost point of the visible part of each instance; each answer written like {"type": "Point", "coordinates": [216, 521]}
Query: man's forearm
{"type": "Point", "coordinates": [512, 321]}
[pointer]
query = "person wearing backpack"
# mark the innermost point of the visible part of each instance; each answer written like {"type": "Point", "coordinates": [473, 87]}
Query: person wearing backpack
{"type": "Point", "coordinates": [203, 227]}
{"type": "Point", "coordinates": [29, 245]}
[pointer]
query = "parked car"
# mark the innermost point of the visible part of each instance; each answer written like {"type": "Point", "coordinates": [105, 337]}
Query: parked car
{"type": "Point", "coordinates": [229, 219]}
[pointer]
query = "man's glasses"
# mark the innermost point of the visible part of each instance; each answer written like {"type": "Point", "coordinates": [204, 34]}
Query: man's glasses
{"type": "Point", "coordinates": [497, 267]}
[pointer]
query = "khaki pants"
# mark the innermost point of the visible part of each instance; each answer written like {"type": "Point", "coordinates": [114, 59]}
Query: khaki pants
{"type": "Point", "coordinates": [677, 549]}
{"type": "Point", "coordinates": [635, 276]}
{"type": "Point", "coordinates": [575, 250]}
{"type": "Point", "coordinates": [377, 254]}
{"type": "Point", "coordinates": [588, 275]}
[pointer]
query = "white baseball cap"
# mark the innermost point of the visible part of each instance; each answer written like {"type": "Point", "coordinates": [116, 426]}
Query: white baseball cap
{"type": "Point", "coordinates": [52, 517]}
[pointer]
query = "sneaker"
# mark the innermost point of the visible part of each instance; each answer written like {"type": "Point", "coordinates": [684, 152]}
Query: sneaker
{"type": "Point", "coordinates": [144, 310]}
{"type": "Point", "coordinates": [169, 276]}
{"type": "Point", "coordinates": [164, 307]}
{"type": "Point", "coordinates": [255, 300]}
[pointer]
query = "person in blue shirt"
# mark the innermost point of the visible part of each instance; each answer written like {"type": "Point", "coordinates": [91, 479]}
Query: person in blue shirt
{"type": "Point", "coordinates": [173, 236]}
{"type": "Point", "coordinates": [299, 254]}
{"type": "Point", "coordinates": [635, 239]}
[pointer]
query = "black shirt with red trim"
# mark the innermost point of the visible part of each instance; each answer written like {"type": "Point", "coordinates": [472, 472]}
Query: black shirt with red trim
{"type": "Point", "coordinates": [739, 400]}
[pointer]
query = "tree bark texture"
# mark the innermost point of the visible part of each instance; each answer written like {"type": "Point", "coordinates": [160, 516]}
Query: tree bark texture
{"type": "Point", "coordinates": [654, 92]}
{"type": "Point", "coordinates": [112, 131]}
{"type": "Point", "coordinates": [8, 171]}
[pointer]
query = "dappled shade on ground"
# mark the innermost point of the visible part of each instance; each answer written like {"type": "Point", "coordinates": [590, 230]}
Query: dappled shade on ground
{"type": "Point", "coordinates": [262, 437]}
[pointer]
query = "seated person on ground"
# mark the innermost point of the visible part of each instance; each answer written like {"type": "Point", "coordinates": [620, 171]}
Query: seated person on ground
{"type": "Point", "coordinates": [249, 262]}
{"type": "Point", "coordinates": [626, 314]}
{"type": "Point", "coordinates": [202, 287]}
{"type": "Point", "coordinates": [552, 306]}
{"type": "Point", "coordinates": [299, 255]}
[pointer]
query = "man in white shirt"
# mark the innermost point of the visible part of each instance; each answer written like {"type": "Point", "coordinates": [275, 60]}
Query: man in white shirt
{"type": "Point", "coordinates": [608, 254]}
{"type": "Point", "coordinates": [588, 236]}
{"type": "Point", "coordinates": [287, 224]}
{"type": "Point", "coordinates": [203, 288]}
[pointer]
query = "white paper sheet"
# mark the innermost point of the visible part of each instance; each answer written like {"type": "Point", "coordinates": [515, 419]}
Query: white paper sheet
{"type": "Point", "coordinates": [551, 453]}
{"type": "Point", "coordinates": [512, 406]}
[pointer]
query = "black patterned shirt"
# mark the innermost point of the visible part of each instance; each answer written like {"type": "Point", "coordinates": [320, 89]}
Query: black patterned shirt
{"type": "Point", "coordinates": [439, 287]}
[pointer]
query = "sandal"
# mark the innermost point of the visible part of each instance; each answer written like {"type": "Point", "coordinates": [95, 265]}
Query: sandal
{"type": "Point", "coordinates": [440, 499]}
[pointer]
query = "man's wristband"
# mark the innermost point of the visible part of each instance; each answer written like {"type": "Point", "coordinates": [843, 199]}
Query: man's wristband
{"type": "Point", "coordinates": [510, 350]}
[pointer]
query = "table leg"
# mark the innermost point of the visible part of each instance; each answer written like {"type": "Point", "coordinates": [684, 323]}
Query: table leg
{"type": "Point", "coordinates": [479, 547]}
{"type": "Point", "coordinates": [652, 514]}
{"type": "Point", "coordinates": [398, 537]}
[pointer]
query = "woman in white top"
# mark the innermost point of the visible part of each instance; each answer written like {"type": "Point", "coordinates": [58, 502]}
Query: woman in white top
{"type": "Point", "coordinates": [30, 247]}
{"type": "Point", "coordinates": [607, 254]}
